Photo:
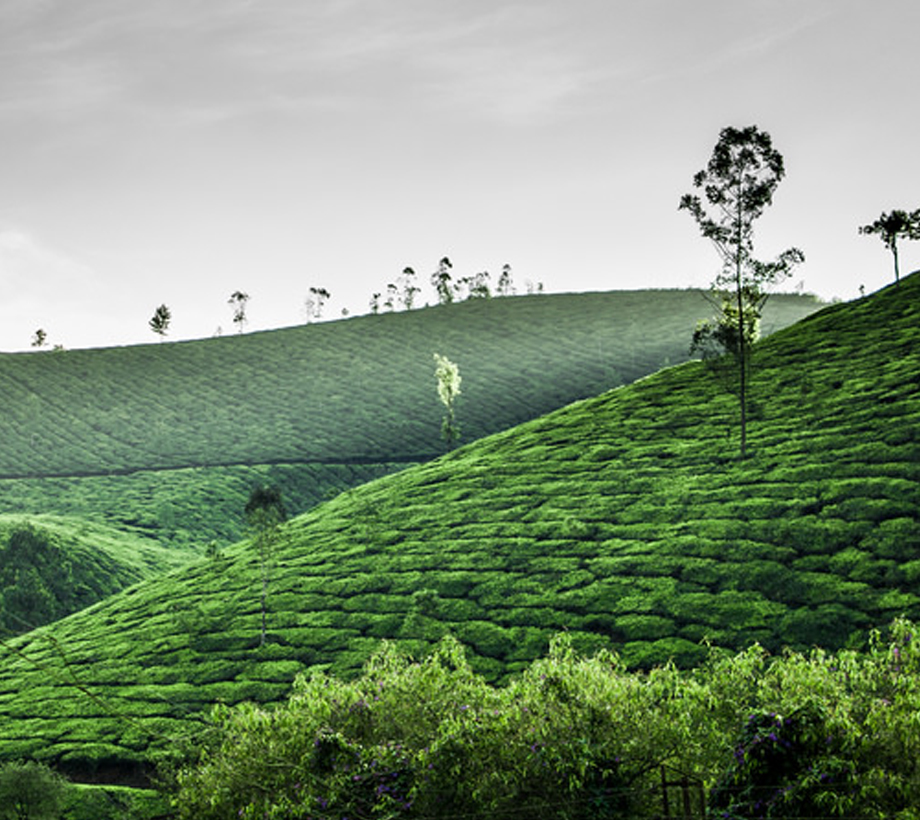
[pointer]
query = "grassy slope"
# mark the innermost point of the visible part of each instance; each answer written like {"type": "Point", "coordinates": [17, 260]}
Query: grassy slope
{"type": "Point", "coordinates": [100, 560]}
{"type": "Point", "coordinates": [171, 437]}
{"type": "Point", "coordinates": [626, 519]}
{"type": "Point", "coordinates": [103, 550]}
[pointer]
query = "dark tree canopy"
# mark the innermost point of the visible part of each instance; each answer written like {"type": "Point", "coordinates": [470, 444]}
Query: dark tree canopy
{"type": "Point", "coordinates": [159, 322]}
{"type": "Point", "coordinates": [441, 280]}
{"type": "Point", "coordinates": [265, 501]}
{"type": "Point", "coordinates": [238, 301]}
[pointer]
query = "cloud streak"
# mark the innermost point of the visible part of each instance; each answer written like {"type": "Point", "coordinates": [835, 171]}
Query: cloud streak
{"type": "Point", "coordinates": [209, 61]}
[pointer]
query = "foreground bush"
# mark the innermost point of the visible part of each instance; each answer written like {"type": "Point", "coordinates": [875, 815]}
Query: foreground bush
{"type": "Point", "coordinates": [30, 791]}
{"type": "Point", "coordinates": [573, 737]}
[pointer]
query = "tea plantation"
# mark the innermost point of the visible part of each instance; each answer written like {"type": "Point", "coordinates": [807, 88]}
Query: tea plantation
{"type": "Point", "coordinates": [170, 438]}
{"type": "Point", "coordinates": [51, 566]}
{"type": "Point", "coordinates": [626, 519]}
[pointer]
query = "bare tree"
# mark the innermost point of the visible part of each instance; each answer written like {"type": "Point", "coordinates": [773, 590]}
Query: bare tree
{"type": "Point", "coordinates": [238, 301]}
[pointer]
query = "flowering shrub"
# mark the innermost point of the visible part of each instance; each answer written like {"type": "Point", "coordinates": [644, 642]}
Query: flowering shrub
{"type": "Point", "coordinates": [783, 767]}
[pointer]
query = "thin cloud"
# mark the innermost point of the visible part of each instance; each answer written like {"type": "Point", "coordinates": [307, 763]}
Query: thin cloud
{"type": "Point", "coordinates": [44, 287]}
{"type": "Point", "coordinates": [27, 265]}
{"type": "Point", "coordinates": [207, 62]}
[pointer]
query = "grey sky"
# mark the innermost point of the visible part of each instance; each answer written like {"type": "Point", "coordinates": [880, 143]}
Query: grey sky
{"type": "Point", "coordinates": [178, 150]}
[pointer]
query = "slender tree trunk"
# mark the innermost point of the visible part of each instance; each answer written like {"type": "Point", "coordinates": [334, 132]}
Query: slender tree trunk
{"type": "Point", "coordinates": [742, 370]}
{"type": "Point", "coordinates": [264, 594]}
{"type": "Point", "coordinates": [742, 340]}
{"type": "Point", "coordinates": [897, 273]}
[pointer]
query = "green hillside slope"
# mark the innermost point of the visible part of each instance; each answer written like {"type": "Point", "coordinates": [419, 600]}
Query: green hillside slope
{"type": "Point", "coordinates": [626, 519]}
{"type": "Point", "coordinates": [171, 437]}
{"type": "Point", "coordinates": [51, 566]}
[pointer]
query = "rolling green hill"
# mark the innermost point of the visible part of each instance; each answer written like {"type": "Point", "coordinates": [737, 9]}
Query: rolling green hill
{"type": "Point", "coordinates": [170, 438]}
{"type": "Point", "coordinates": [51, 566]}
{"type": "Point", "coordinates": [626, 519]}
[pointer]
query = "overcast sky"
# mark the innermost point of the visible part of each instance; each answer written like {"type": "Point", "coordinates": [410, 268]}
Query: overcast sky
{"type": "Point", "coordinates": [178, 150]}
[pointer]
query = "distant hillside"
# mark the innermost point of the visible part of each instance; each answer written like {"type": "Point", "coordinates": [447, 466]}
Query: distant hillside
{"type": "Point", "coordinates": [626, 519]}
{"type": "Point", "coordinates": [171, 437]}
{"type": "Point", "coordinates": [51, 566]}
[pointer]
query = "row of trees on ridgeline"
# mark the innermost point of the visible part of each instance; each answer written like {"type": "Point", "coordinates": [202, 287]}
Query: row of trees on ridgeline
{"type": "Point", "coordinates": [400, 295]}
{"type": "Point", "coordinates": [403, 293]}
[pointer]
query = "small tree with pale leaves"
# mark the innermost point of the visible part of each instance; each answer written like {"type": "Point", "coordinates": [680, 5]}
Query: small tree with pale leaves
{"type": "Point", "coordinates": [448, 377]}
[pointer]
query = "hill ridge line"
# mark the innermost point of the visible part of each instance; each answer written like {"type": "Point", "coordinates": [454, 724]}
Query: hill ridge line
{"type": "Point", "coordinates": [352, 460]}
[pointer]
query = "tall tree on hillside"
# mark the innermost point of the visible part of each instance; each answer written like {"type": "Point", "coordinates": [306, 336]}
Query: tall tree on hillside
{"type": "Point", "coordinates": [441, 280]}
{"type": "Point", "coordinates": [265, 513]}
{"type": "Point", "coordinates": [392, 297]}
{"type": "Point", "coordinates": [893, 226]}
{"type": "Point", "coordinates": [315, 303]}
{"type": "Point", "coordinates": [40, 339]}
{"type": "Point", "coordinates": [408, 288]}
{"type": "Point", "coordinates": [448, 376]}
{"type": "Point", "coordinates": [238, 301]}
{"type": "Point", "coordinates": [159, 322]}
{"type": "Point", "coordinates": [505, 287]}
{"type": "Point", "coordinates": [738, 183]}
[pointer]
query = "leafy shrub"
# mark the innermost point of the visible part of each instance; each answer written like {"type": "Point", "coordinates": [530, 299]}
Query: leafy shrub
{"type": "Point", "coordinates": [30, 791]}
{"type": "Point", "coordinates": [815, 735]}
{"type": "Point", "coordinates": [783, 766]}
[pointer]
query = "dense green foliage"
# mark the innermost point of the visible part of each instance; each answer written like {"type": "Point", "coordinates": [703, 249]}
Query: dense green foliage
{"type": "Point", "coordinates": [95, 802]}
{"type": "Point", "coordinates": [185, 509]}
{"type": "Point", "coordinates": [30, 791]}
{"type": "Point", "coordinates": [52, 566]}
{"type": "Point", "coordinates": [816, 735]}
{"type": "Point", "coordinates": [625, 519]}
{"type": "Point", "coordinates": [171, 437]}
